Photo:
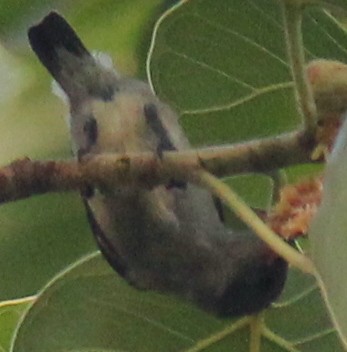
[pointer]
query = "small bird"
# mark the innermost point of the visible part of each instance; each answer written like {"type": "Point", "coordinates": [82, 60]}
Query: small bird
{"type": "Point", "coordinates": [172, 238]}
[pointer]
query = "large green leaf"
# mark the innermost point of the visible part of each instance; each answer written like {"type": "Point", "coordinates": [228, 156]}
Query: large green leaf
{"type": "Point", "coordinates": [223, 65]}
{"type": "Point", "coordinates": [329, 234]}
{"type": "Point", "coordinates": [233, 55]}
{"type": "Point", "coordinates": [89, 308]}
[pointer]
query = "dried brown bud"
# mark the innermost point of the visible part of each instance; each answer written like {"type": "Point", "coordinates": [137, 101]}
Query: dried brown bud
{"type": "Point", "coordinates": [328, 80]}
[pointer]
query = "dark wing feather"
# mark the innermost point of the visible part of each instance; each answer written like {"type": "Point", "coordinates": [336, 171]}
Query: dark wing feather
{"type": "Point", "coordinates": [49, 36]}
{"type": "Point", "coordinates": [63, 54]}
{"type": "Point", "coordinates": [106, 247]}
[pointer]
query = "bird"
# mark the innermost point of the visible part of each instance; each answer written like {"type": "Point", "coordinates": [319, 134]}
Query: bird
{"type": "Point", "coordinates": [171, 238]}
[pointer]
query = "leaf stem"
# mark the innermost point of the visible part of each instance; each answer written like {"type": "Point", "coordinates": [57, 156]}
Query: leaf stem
{"type": "Point", "coordinates": [292, 16]}
{"type": "Point", "coordinates": [279, 179]}
{"type": "Point", "coordinates": [17, 301]}
{"type": "Point", "coordinates": [24, 177]}
{"type": "Point", "coordinates": [256, 328]}
{"type": "Point", "coordinates": [246, 214]}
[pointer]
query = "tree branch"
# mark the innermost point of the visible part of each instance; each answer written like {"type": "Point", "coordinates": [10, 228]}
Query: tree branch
{"type": "Point", "coordinates": [252, 220]}
{"type": "Point", "coordinates": [24, 178]}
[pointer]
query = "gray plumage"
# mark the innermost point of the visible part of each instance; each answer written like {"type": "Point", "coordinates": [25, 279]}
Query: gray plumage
{"type": "Point", "coordinates": [171, 238]}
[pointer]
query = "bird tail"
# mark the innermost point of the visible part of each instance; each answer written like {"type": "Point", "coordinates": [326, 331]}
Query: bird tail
{"type": "Point", "coordinates": [63, 54]}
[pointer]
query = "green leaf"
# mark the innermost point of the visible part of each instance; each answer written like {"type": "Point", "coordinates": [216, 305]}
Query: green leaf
{"type": "Point", "coordinates": [334, 5]}
{"type": "Point", "coordinates": [328, 234]}
{"type": "Point", "coordinates": [237, 85]}
{"type": "Point", "coordinates": [10, 314]}
{"type": "Point", "coordinates": [39, 237]}
{"type": "Point", "coordinates": [224, 66]}
{"type": "Point", "coordinates": [89, 308]}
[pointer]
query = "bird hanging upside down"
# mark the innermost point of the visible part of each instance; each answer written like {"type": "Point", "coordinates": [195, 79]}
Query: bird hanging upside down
{"type": "Point", "coordinates": [171, 238]}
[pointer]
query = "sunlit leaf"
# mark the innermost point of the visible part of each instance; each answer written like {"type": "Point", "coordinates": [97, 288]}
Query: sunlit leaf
{"type": "Point", "coordinates": [10, 314]}
{"type": "Point", "coordinates": [328, 234]}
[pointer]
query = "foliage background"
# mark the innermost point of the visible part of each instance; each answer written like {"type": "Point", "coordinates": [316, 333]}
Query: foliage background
{"type": "Point", "coordinates": [42, 236]}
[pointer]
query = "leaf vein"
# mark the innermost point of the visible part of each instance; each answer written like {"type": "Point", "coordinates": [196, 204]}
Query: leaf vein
{"type": "Point", "coordinates": [244, 38]}
{"type": "Point", "coordinates": [255, 94]}
{"type": "Point", "coordinates": [212, 69]}
{"type": "Point", "coordinates": [314, 336]}
{"type": "Point", "coordinates": [155, 323]}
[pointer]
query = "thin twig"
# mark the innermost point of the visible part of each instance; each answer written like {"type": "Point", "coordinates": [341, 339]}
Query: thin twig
{"type": "Point", "coordinates": [256, 327]}
{"type": "Point", "coordinates": [248, 216]}
{"type": "Point", "coordinates": [279, 179]}
{"type": "Point", "coordinates": [24, 178]}
{"type": "Point", "coordinates": [292, 15]}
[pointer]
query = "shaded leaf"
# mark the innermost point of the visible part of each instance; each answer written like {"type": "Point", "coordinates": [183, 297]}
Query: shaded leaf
{"type": "Point", "coordinates": [40, 236]}
{"type": "Point", "coordinates": [89, 307]}
{"type": "Point", "coordinates": [233, 55]}
{"type": "Point", "coordinates": [224, 66]}
{"type": "Point", "coordinates": [337, 5]}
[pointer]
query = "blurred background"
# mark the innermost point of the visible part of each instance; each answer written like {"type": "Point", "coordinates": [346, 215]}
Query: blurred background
{"type": "Point", "coordinates": [221, 64]}
{"type": "Point", "coordinates": [42, 235]}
